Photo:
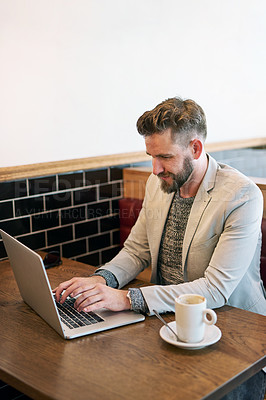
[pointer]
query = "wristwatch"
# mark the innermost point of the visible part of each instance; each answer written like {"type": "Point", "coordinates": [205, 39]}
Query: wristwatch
{"type": "Point", "coordinates": [129, 298]}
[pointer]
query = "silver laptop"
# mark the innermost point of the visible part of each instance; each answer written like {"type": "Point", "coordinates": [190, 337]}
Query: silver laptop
{"type": "Point", "coordinates": [35, 289]}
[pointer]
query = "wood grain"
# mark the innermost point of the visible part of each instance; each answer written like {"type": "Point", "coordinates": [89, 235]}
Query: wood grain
{"type": "Point", "coordinates": [58, 167]}
{"type": "Point", "coordinates": [130, 362]}
{"type": "Point", "coordinates": [135, 181]}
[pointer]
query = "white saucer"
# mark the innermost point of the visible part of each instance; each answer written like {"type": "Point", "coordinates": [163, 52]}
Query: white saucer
{"type": "Point", "coordinates": [212, 335]}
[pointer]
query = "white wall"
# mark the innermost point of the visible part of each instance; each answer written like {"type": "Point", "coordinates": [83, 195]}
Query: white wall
{"type": "Point", "coordinates": [76, 74]}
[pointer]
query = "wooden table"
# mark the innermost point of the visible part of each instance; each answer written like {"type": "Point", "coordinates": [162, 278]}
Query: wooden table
{"type": "Point", "coordinates": [130, 362]}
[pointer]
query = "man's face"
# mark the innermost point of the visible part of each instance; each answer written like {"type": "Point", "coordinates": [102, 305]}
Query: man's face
{"type": "Point", "coordinates": [171, 163]}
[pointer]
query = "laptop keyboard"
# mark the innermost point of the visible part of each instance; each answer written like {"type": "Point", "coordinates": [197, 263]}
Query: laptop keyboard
{"type": "Point", "coordinates": [73, 318]}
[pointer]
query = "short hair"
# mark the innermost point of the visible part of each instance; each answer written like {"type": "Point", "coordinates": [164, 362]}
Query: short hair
{"type": "Point", "coordinates": [185, 118]}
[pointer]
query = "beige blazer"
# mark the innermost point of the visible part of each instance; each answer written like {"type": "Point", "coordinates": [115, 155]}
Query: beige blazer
{"type": "Point", "coordinates": [221, 247]}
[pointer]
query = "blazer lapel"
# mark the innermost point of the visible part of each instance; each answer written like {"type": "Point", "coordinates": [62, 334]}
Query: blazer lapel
{"type": "Point", "coordinates": [202, 199]}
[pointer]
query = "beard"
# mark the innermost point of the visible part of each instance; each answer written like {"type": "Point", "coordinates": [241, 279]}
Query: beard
{"type": "Point", "coordinates": [178, 180]}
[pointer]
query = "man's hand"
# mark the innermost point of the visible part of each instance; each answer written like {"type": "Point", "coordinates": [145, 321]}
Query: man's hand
{"type": "Point", "coordinates": [92, 294]}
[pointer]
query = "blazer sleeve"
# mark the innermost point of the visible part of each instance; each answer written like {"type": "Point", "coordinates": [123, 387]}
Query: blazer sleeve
{"type": "Point", "coordinates": [135, 255]}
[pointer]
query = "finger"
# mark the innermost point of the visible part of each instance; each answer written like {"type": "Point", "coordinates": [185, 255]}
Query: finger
{"type": "Point", "coordinates": [94, 307]}
{"type": "Point", "coordinates": [92, 300]}
{"type": "Point", "coordinates": [68, 287]}
{"type": "Point", "coordinates": [76, 289]}
{"type": "Point", "coordinates": [82, 288]}
{"type": "Point", "coordinates": [60, 288]}
{"type": "Point", "coordinates": [73, 290]}
{"type": "Point", "coordinates": [86, 295]}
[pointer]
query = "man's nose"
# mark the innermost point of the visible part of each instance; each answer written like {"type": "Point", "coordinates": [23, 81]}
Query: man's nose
{"type": "Point", "coordinates": [157, 167]}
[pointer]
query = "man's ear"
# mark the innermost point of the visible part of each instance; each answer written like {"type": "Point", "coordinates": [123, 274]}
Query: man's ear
{"type": "Point", "coordinates": [196, 148]}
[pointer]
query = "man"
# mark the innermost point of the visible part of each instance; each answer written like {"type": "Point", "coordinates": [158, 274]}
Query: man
{"type": "Point", "coordinates": [199, 227]}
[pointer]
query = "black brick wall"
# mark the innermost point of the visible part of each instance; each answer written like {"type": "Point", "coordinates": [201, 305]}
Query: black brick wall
{"type": "Point", "coordinates": [75, 213]}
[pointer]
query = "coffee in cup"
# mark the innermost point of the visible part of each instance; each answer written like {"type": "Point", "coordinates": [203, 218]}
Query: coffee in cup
{"type": "Point", "coordinates": [191, 317]}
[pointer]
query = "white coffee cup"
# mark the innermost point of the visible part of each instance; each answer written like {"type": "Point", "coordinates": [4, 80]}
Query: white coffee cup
{"type": "Point", "coordinates": [191, 317]}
